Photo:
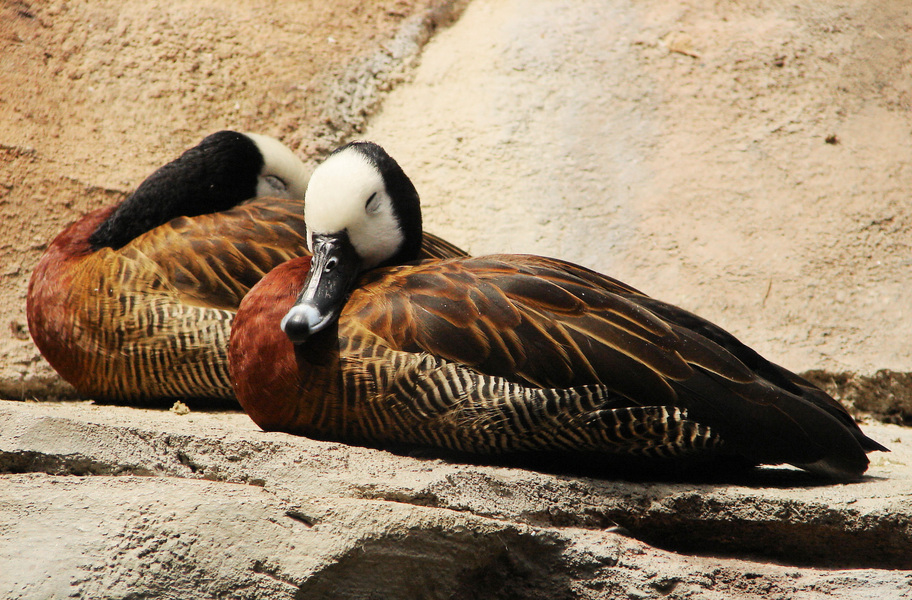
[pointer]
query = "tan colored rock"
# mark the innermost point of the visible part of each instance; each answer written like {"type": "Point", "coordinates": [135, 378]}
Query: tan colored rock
{"type": "Point", "coordinates": [109, 501]}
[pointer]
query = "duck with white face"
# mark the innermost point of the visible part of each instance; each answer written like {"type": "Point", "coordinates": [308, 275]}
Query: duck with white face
{"type": "Point", "coordinates": [353, 225]}
{"type": "Point", "coordinates": [507, 353]}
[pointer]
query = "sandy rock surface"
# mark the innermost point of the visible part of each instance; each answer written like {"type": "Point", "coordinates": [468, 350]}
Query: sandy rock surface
{"type": "Point", "coordinates": [105, 500]}
{"type": "Point", "coordinates": [748, 161]}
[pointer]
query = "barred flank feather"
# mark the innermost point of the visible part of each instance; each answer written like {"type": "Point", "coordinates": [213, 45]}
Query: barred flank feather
{"type": "Point", "coordinates": [435, 402]}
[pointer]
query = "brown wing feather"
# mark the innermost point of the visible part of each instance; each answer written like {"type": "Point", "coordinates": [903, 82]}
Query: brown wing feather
{"type": "Point", "coordinates": [116, 332]}
{"type": "Point", "coordinates": [436, 247]}
{"type": "Point", "coordinates": [213, 260]}
{"type": "Point", "coordinates": [531, 320]}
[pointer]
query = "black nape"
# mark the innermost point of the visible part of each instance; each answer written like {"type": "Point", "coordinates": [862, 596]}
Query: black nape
{"type": "Point", "coordinates": [407, 203]}
{"type": "Point", "coordinates": [217, 174]}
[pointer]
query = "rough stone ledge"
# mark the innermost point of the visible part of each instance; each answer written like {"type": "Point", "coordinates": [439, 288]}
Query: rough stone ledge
{"type": "Point", "coordinates": [885, 395]}
{"type": "Point", "coordinates": [138, 537]}
{"type": "Point", "coordinates": [129, 537]}
{"type": "Point", "coordinates": [777, 514]}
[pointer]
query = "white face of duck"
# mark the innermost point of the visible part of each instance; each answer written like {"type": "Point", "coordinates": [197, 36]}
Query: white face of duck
{"type": "Point", "coordinates": [283, 175]}
{"type": "Point", "coordinates": [347, 193]}
{"type": "Point", "coordinates": [352, 226]}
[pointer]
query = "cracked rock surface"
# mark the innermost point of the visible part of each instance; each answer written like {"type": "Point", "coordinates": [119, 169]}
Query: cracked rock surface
{"type": "Point", "coordinates": [102, 501]}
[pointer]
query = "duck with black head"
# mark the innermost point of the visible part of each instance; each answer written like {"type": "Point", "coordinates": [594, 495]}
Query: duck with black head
{"type": "Point", "coordinates": [505, 354]}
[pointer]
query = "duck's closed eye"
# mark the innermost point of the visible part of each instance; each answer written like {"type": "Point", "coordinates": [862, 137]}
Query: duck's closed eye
{"type": "Point", "coordinates": [276, 183]}
{"type": "Point", "coordinates": [372, 205]}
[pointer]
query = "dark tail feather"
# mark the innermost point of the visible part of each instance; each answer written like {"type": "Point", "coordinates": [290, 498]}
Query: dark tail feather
{"type": "Point", "coordinates": [769, 425]}
{"type": "Point", "coordinates": [787, 382]}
